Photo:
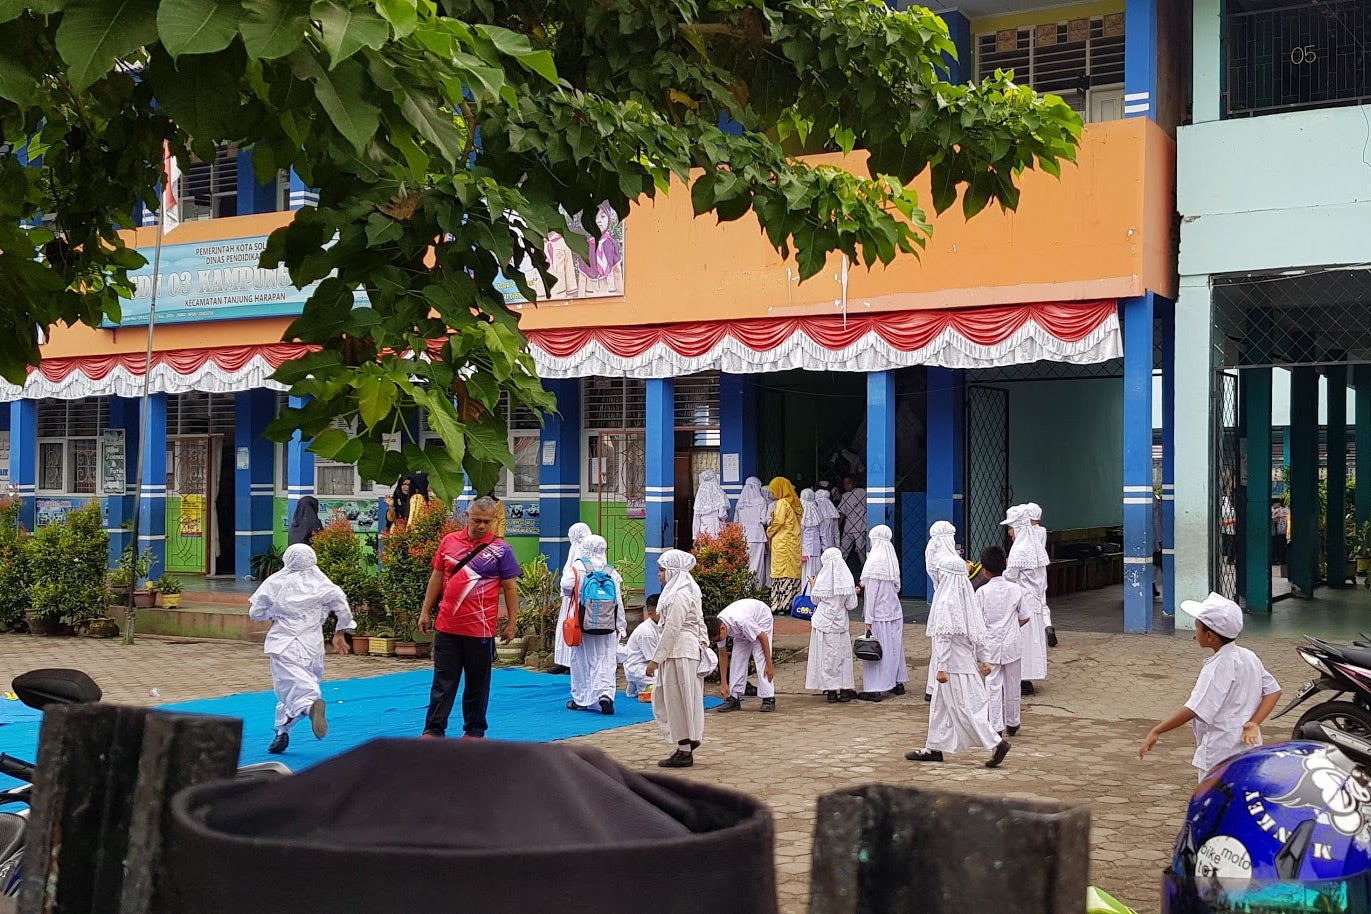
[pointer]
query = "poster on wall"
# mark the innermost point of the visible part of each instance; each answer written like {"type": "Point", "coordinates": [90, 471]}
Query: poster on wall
{"type": "Point", "coordinates": [599, 276]}
{"type": "Point", "coordinates": [113, 470]}
{"type": "Point", "coordinates": [636, 509]}
{"type": "Point", "coordinates": [192, 522]}
{"type": "Point", "coordinates": [521, 518]}
{"type": "Point", "coordinates": [55, 510]}
{"type": "Point", "coordinates": [364, 516]}
{"type": "Point", "coordinates": [4, 458]}
{"type": "Point", "coordinates": [212, 280]}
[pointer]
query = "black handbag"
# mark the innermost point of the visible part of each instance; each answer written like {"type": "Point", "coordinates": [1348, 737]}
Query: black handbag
{"type": "Point", "coordinates": [867, 648]}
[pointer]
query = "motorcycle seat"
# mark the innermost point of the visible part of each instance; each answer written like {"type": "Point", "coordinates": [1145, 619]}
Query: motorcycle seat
{"type": "Point", "coordinates": [1355, 655]}
{"type": "Point", "coordinates": [12, 828]}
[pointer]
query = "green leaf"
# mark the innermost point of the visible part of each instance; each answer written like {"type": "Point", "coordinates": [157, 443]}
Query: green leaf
{"type": "Point", "coordinates": [296, 370]}
{"type": "Point", "coordinates": [200, 94]}
{"type": "Point", "coordinates": [94, 34]}
{"type": "Point", "coordinates": [376, 397]}
{"type": "Point", "coordinates": [488, 442]}
{"type": "Point", "coordinates": [402, 14]}
{"type": "Point", "coordinates": [329, 443]}
{"type": "Point", "coordinates": [436, 126]}
{"type": "Point", "coordinates": [13, 9]}
{"type": "Point", "coordinates": [273, 28]}
{"type": "Point", "coordinates": [197, 26]}
{"type": "Point", "coordinates": [541, 62]}
{"type": "Point", "coordinates": [348, 29]}
{"type": "Point", "coordinates": [340, 95]}
{"type": "Point", "coordinates": [17, 83]}
{"type": "Point", "coordinates": [441, 465]}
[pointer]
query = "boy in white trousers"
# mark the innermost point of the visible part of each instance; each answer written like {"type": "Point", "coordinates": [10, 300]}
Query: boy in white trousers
{"type": "Point", "coordinates": [1002, 605]}
{"type": "Point", "coordinates": [641, 648]}
{"type": "Point", "coordinates": [751, 625]}
{"type": "Point", "coordinates": [1233, 695]}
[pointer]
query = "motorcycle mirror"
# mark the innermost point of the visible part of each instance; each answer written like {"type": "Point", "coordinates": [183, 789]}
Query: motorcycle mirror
{"type": "Point", "coordinates": [1358, 749]}
{"type": "Point", "coordinates": [40, 688]}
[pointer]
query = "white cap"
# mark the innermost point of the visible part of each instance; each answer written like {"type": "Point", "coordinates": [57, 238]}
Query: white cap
{"type": "Point", "coordinates": [1218, 613]}
{"type": "Point", "coordinates": [1015, 516]}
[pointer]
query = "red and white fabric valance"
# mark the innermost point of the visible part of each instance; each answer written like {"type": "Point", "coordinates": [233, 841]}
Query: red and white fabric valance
{"type": "Point", "coordinates": [1078, 332]}
{"type": "Point", "coordinates": [225, 369]}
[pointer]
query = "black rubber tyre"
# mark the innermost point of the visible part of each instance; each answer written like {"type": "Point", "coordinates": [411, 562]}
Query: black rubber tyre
{"type": "Point", "coordinates": [1344, 715]}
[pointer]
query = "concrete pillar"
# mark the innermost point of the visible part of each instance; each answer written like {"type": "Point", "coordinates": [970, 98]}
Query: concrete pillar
{"type": "Point", "coordinates": [1334, 532]}
{"type": "Point", "coordinates": [123, 416]}
{"type": "Point", "coordinates": [1195, 518]}
{"type": "Point", "coordinates": [24, 456]}
{"type": "Point", "coordinates": [737, 431]}
{"type": "Point", "coordinates": [559, 475]}
{"type": "Point", "coordinates": [152, 451]}
{"type": "Point", "coordinates": [1140, 59]}
{"type": "Point", "coordinates": [661, 476]}
{"type": "Point", "coordinates": [946, 465]}
{"type": "Point", "coordinates": [300, 195]}
{"type": "Point", "coordinates": [1168, 532]}
{"type": "Point", "coordinates": [1206, 61]}
{"type": "Point", "coordinates": [1304, 480]}
{"type": "Point", "coordinates": [1256, 393]}
{"type": "Point", "coordinates": [880, 448]}
{"type": "Point", "coordinates": [254, 476]}
{"type": "Point", "coordinates": [1361, 376]}
{"type": "Point", "coordinates": [253, 197]}
{"type": "Point", "coordinates": [1137, 462]}
{"type": "Point", "coordinates": [962, 68]}
{"type": "Point", "coordinates": [299, 466]}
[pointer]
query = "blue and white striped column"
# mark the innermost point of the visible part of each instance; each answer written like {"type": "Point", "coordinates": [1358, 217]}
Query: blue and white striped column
{"type": "Point", "coordinates": [737, 432]}
{"type": "Point", "coordinates": [24, 456]}
{"type": "Point", "coordinates": [254, 485]}
{"type": "Point", "coordinates": [559, 474]}
{"type": "Point", "coordinates": [152, 513]}
{"type": "Point", "coordinates": [880, 449]}
{"type": "Point", "coordinates": [946, 468]}
{"type": "Point", "coordinates": [300, 195]}
{"type": "Point", "coordinates": [1137, 463]}
{"type": "Point", "coordinates": [660, 533]}
{"type": "Point", "coordinates": [1140, 59]}
{"type": "Point", "coordinates": [299, 467]}
{"type": "Point", "coordinates": [1168, 532]}
{"type": "Point", "coordinates": [118, 506]}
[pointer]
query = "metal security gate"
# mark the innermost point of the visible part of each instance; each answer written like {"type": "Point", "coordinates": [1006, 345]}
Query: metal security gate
{"type": "Point", "coordinates": [1226, 503]}
{"type": "Point", "coordinates": [987, 490]}
{"type": "Point", "coordinates": [619, 480]}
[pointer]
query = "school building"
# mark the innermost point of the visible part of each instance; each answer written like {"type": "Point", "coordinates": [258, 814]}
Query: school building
{"type": "Point", "coordinates": [1013, 361]}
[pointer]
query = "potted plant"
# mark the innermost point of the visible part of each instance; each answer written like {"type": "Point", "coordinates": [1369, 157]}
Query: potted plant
{"type": "Point", "coordinates": [68, 560]}
{"type": "Point", "coordinates": [539, 606]}
{"type": "Point", "coordinates": [132, 567]}
{"type": "Point", "coordinates": [170, 589]}
{"type": "Point", "coordinates": [721, 569]}
{"type": "Point", "coordinates": [343, 558]}
{"type": "Point", "coordinates": [382, 642]}
{"type": "Point", "coordinates": [103, 627]}
{"type": "Point", "coordinates": [266, 564]}
{"type": "Point", "coordinates": [14, 566]}
{"type": "Point", "coordinates": [406, 565]}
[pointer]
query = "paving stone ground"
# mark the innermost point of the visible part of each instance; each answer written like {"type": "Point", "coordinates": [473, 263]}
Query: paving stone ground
{"type": "Point", "coordinates": [1078, 744]}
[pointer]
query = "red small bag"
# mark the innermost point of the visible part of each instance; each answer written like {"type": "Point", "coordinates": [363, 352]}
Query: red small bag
{"type": "Point", "coordinates": [571, 625]}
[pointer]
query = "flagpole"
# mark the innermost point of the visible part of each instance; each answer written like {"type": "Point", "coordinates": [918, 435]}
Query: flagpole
{"type": "Point", "coordinates": [167, 195]}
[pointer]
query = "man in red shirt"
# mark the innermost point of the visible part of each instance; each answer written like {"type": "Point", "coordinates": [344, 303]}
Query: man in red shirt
{"type": "Point", "coordinates": [471, 569]}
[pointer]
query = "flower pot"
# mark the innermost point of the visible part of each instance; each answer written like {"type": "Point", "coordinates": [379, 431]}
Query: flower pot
{"type": "Point", "coordinates": [101, 628]}
{"type": "Point", "coordinates": [381, 647]}
{"type": "Point", "coordinates": [1363, 564]}
{"type": "Point", "coordinates": [144, 599]}
{"type": "Point", "coordinates": [41, 626]}
{"type": "Point", "coordinates": [361, 644]}
{"type": "Point", "coordinates": [171, 600]}
{"type": "Point", "coordinates": [510, 653]}
{"type": "Point", "coordinates": [413, 649]}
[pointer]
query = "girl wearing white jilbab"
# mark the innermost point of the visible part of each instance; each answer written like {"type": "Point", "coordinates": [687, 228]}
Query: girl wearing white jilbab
{"type": "Point", "coordinates": [959, 717]}
{"type": "Point", "coordinates": [811, 534]}
{"type": "Point", "coordinates": [942, 537]}
{"type": "Point", "coordinates": [596, 660]}
{"type": "Point", "coordinates": [578, 532]}
{"type": "Point", "coordinates": [678, 698]}
{"type": "Point", "coordinates": [829, 526]}
{"type": "Point", "coordinates": [297, 599]}
{"type": "Point", "coordinates": [711, 506]}
{"type": "Point", "coordinates": [1035, 516]}
{"type": "Point", "coordinates": [1028, 568]}
{"type": "Point", "coordinates": [752, 515]}
{"type": "Point", "coordinates": [830, 648]}
{"type": "Point", "coordinates": [884, 618]}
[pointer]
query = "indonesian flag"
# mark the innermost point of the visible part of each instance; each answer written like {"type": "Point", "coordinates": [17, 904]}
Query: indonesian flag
{"type": "Point", "coordinates": [171, 174]}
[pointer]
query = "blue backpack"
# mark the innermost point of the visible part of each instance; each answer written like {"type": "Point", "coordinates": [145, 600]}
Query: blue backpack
{"type": "Point", "coordinates": [599, 599]}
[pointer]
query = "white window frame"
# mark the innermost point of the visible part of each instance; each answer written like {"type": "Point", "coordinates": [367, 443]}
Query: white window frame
{"type": "Point", "coordinates": [223, 185]}
{"type": "Point", "coordinates": [41, 489]}
{"type": "Point", "coordinates": [589, 491]}
{"type": "Point", "coordinates": [67, 442]}
{"type": "Point", "coordinates": [362, 489]}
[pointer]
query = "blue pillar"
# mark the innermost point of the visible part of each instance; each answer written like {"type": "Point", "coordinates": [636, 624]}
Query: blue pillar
{"type": "Point", "coordinates": [737, 431]}
{"type": "Point", "coordinates": [1168, 532]}
{"type": "Point", "coordinates": [880, 448]}
{"type": "Point", "coordinates": [1140, 59]}
{"type": "Point", "coordinates": [254, 485]}
{"type": "Point", "coordinates": [1256, 393]}
{"type": "Point", "coordinates": [152, 451]}
{"type": "Point", "coordinates": [299, 466]}
{"type": "Point", "coordinates": [300, 195]}
{"type": "Point", "coordinates": [252, 196]}
{"type": "Point", "coordinates": [945, 464]}
{"type": "Point", "coordinates": [961, 69]}
{"type": "Point", "coordinates": [1361, 377]}
{"type": "Point", "coordinates": [1304, 480]}
{"type": "Point", "coordinates": [1137, 462]}
{"type": "Point", "coordinates": [24, 456]}
{"type": "Point", "coordinates": [123, 415]}
{"type": "Point", "coordinates": [1334, 530]}
{"type": "Point", "coordinates": [5, 467]}
{"type": "Point", "coordinates": [559, 479]}
{"type": "Point", "coordinates": [661, 475]}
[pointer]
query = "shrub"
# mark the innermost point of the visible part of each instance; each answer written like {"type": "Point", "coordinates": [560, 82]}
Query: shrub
{"type": "Point", "coordinates": [341, 557]}
{"type": "Point", "coordinates": [266, 564]}
{"type": "Point", "coordinates": [14, 565]}
{"type": "Point", "coordinates": [721, 569]}
{"type": "Point", "coordinates": [69, 563]}
{"type": "Point", "coordinates": [406, 564]}
{"type": "Point", "coordinates": [540, 600]}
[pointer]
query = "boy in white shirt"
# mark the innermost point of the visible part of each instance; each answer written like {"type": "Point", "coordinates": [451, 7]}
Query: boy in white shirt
{"type": "Point", "coordinates": [1005, 610]}
{"type": "Point", "coordinates": [1233, 695]}
{"type": "Point", "coordinates": [751, 625]}
{"type": "Point", "coordinates": [641, 648]}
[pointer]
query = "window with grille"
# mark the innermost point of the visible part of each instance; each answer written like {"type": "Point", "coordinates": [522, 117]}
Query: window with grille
{"type": "Point", "coordinates": [69, 444]}
{"type": "Point", "coordinates": [1285, 56]}
{"type": "Point", "coordinates": [1072, 59]}
{"type": "Point", "coordinates": [198, 413]}
{"type": "Point", "coordinates": [209, 190]}
{"type": "Point", "coordinates": [340, 480]}
{"type": "Point", "coordinates": [614, 403]}
{"type": "Point", "coordinates": [697, 409]}
{"type": "Point", "coordinates": [614, 417]}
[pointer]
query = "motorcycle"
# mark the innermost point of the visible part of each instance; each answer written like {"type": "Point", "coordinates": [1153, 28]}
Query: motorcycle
{"type": "Point", "coordinates": [1344, 671]}
{"type": "Point", "coordinates": [38, 689]}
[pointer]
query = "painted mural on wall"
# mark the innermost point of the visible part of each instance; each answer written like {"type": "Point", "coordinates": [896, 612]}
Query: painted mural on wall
{"type": "Point", "coordinates": [55, 510]}
{"type": "Point", "coordinates": [601, 275]}
{"type": "Point", "coordinates": [522, 518]}
{"type": "Point", "coordinates": [363, 515]}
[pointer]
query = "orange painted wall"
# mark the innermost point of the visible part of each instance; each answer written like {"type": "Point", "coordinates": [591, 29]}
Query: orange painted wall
{"type": "Point", "coordinates": [1104, 230]}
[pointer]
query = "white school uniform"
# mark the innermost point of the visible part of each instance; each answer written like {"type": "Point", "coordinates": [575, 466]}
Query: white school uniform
{"type": "Point", "coordinates": [595, 661]}
{"type": "Point", "coordinates": [1002, 605]}
{"type": "Point", "coordinates": [1231, 685]}
{"type": "Point", "coordinates": [747, 621]}
{"type": "Point", "coordinates": [678, 698]}
{"type": "Point", "coordinates": [959, 716]}
{"type": "Point", "coordinates": [1028, 568]}
{"type": "Point", "coordinates": [753, 513]}
{"type": "Point", "coordinates": [883, 612]}
{"type": "Point", "coordinates": [830, 665]}
{"type": "Point", "coordinates": [641, 648]}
